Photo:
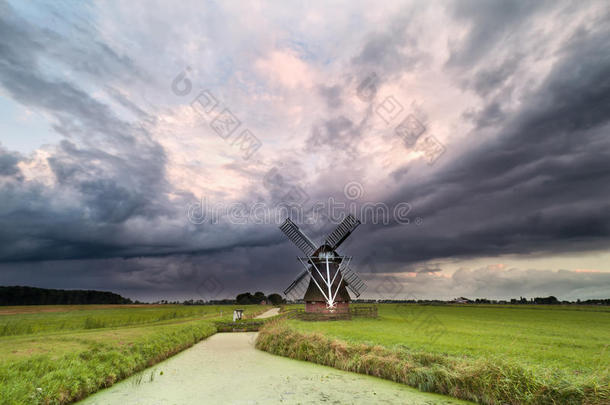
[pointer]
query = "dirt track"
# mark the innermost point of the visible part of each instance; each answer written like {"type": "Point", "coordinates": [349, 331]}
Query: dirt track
{"type": "Point", "coordinates": [269, 314]}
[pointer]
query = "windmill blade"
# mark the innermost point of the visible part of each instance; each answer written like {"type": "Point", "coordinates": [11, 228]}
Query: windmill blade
{"type": "Point", "coordinates": [298, 286]}
{"type": "Point", "coordinates": [342, 231]}
{"type": "Point", "coordinates": [354, 283]}
{"type": "Point", "coordinates": [297, 237]}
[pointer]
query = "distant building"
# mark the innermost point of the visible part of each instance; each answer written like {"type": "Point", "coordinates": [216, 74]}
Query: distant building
{"type": "Point", "coordinates": [461, 300]}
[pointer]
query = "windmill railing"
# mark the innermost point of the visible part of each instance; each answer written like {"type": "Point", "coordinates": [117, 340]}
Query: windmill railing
{"type": "Point", "coordinates": [359, 311]}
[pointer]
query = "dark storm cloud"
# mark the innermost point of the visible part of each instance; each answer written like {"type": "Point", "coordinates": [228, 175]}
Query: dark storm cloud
{"type": "Point", "coordinates": [539, 186]}
{"type": "Point", "coordinates": [214, 275]}
{"type": "Point", "coordinates": [491, 115]}
{"type": "Point", "coordinates": [342, 134]}
{"type": "Point", "coordinates": [489, 79]}
{"type": "Point", "coordinates": [8, 163]}
{"type": "Point", "coordinates": [393, 48]}
{"type": "Point", "coordinates": [491, 24]}
{"type": "Point", "coordinates": [224, 275]}
{"type": "Point", "coordinates": [113, 170]}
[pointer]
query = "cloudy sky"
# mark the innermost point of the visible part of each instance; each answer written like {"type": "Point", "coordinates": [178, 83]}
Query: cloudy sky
{"type": "Point", "coordinates": [148, 148]}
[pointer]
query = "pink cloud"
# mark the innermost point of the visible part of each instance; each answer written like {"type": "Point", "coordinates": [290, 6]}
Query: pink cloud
{"type": "Point", "coordinates": [286, 68]}
{"type": "Point", "coordinates": [587, 271]}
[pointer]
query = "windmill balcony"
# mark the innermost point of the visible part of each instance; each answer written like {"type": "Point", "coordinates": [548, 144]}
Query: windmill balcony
{"type": "Point", "coordinates": [320, 307]}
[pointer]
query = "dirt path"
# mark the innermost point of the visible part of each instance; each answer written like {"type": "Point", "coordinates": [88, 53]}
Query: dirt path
{"type": "Point", "coordinates": [227, 369]}
{"type": "Point", "coordinates": [269, 314]}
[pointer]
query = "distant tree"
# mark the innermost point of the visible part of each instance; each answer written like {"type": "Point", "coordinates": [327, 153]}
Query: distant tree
{"type": "Point", "coordinates": [248, 299]}
{"type": "Point", "coordinates": [222, 302]}
{"type": "Point", "coordinates": [258, 297]}
{"type": "Point", "coordinates": [276, 299]}
{"type": "Point", "coordinates": [244, 299]}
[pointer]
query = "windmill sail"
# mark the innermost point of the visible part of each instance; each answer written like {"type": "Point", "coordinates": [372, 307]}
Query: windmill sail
{"type": "Point", "coordinates": [297, 237]}
{"type": "Point", "coordinates": [298, 286]}
{"type": "Point", "coordinates": [354, 283]}
{"type": "Point", "coordinates": [327, 275]}
{"type": "Point", "coordinates": [342, 231]}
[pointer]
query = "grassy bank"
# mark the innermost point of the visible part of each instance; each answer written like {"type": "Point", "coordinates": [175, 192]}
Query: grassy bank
{"type": "Point", "coordinates": [571, 339]}
{"type": "Point", "coordinates": [72, 376]}
{"type": "Point", "coordinates": [67, 360]}
{"type": "Point", "coordinates": [489, 355]}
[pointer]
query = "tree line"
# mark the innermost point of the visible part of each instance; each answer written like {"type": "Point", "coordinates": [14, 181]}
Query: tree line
{"type": "Point", "coordinates": [22, 295]}
{"type": "Point", "coordinates": [259, 298]}
{"type": "Point", "coordinates": [246, 298]}
{"type": "Point", "coordinates": [550, 300]}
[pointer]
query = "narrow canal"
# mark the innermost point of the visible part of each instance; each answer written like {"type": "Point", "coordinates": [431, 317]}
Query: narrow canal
{"type": "Point", "coordinates": [227, 369]}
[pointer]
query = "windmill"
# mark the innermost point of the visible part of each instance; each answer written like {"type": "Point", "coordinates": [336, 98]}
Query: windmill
{"type": "Point", "coordinates": [327, 275]}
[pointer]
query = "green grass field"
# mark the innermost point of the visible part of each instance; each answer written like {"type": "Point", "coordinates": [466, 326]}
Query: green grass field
{"type": "Point", "coordinates": [21, 321]}
{"type": "Point", "coordinates": [59, 354]}
{"type": "Point", "coordinates": [572, 339]}
{"type": "Point", "coordinates": [488, 354]}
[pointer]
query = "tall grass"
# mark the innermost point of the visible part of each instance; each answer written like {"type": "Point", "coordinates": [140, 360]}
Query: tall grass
{"type": "Point", "coordinates": [485, 380]}
{"type": "Point", "coordinates": [43, 379]}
